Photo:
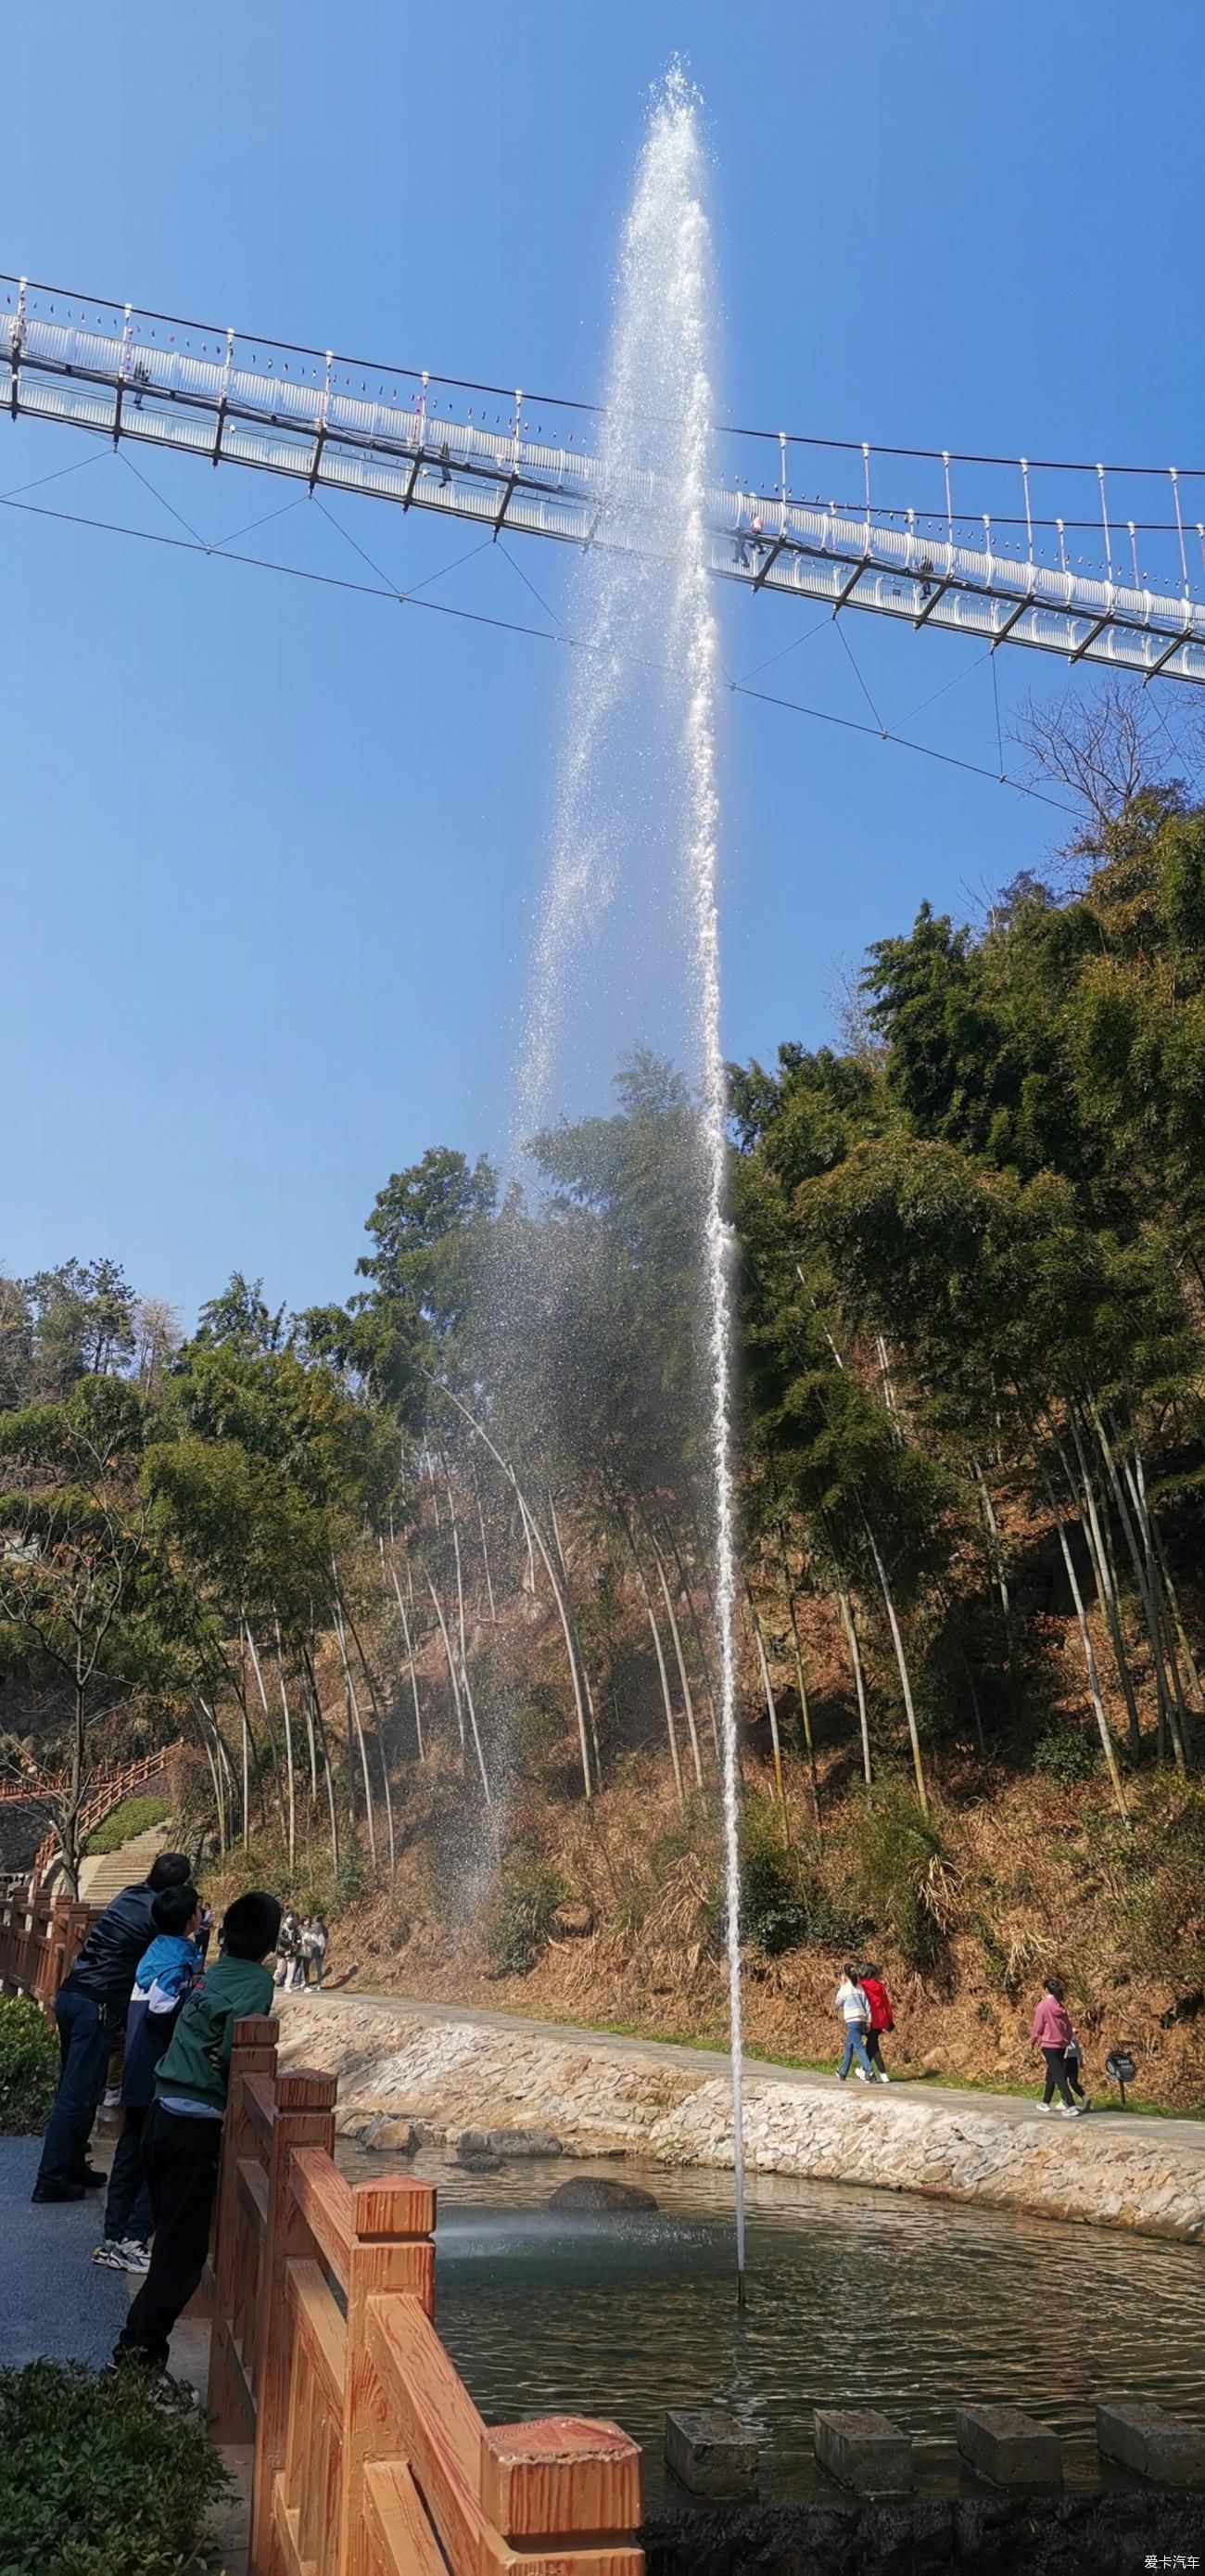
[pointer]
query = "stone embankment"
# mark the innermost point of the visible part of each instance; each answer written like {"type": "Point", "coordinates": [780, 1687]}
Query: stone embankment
{"type": "Point", "coordinates": [451, 2071]}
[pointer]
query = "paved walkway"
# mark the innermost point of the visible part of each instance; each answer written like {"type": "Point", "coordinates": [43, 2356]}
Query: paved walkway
{"type": "Point", "coordinates": [1008, 2107]}
{"type": "Point", "coordinates": [54, 2300]}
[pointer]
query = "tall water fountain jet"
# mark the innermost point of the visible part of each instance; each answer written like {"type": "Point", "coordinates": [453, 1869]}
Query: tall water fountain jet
{"type": "Point", "coordinates": [627, 950]}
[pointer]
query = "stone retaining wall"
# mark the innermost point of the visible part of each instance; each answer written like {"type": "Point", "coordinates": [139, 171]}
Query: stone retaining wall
{"type": "Point", "coordinates": [602, 2099]}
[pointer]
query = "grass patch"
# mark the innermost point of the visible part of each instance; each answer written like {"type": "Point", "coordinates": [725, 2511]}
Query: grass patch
{"type": "Point", "coordinates": [133, 1816]}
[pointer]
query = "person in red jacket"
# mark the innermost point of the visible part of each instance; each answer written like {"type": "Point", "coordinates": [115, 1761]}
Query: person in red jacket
{"type": "Point", "coordinates": [1050, 2031]}
{"type": "Point", "coordinates": [881, 2018]}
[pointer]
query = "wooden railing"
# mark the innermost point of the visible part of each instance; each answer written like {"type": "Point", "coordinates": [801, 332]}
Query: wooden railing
{"type": "Point", "coordinates": [41, 1937]}
{"type": "Point", "coordinates": [370, 2457]}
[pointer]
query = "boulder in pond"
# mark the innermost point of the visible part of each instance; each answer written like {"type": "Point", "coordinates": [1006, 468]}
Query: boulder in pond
{"type": "Point", "coordinates": [592, 2195]}
{"type": "Point", "coordinates": [523, 2142]}
{"type": "Point", "coordinates": [474, 2153]}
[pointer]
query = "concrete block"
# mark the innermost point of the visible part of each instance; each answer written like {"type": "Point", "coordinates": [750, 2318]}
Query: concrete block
{"type": "Point", "coordinates": [1010, 2448]}
{"type": "Point", "coordinates": [709, 2452]}
{"type": "Point", "coordinates": [1163, 2448]}
{"type": "Point", "coordinates": [863, 2450]}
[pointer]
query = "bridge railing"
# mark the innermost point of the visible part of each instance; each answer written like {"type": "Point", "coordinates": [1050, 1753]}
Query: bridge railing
{"type": "Point", "coordinates": [370, 2457]}
{"type": "Point", "coordinates": [104, 1798]}
{"type": "Point", "coordinates": [41, 1937]}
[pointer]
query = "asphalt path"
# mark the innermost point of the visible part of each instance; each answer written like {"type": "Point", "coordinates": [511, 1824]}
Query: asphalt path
{"type": "Point", "coordinates": [54, 2300]}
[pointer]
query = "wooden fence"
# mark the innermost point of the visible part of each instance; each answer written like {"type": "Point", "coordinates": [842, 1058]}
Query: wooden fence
{"type": "Point", "coordinates": [41, 1937]}
{"type": "Point", "coordinates": [370, 2457]}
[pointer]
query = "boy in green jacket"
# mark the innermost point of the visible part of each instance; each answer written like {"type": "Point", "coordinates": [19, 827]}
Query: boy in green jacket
{"type": "Point", "coordinates": [182, 2139]}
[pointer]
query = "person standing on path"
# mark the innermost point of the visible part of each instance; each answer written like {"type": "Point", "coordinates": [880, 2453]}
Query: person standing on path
{"type": "Point", "coordinates": [182, 2140]}
{"type": "Point", "coordinates": [90, 2009]}
{"type": "Point", "coordinates": [1050, 2030]}
{"type": "Point", "coordinates": [851, 2004]}
{"type": "Point", "coordinates": [881, 2018]}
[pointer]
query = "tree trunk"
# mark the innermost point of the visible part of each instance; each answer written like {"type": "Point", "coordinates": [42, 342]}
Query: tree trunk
{"type": "Point", "coordinates": [1146, 1576]}
{"type": "Point", "coordinates": [902, 1668]}
{"type": "Point", "coordinates": [353, 1706]}
{"type": "Point", "coordinates": [855, 1657]}
{"type": "Point", "coordinates": [696, 1631]}
{"type": "Point", "coordinates": [771, 1711]}
{"type": "Point", "coordinates": [287, 1722]}
{"type": "Point", "coordinates": [997, 1552]}
{"type": "Point", "coordinates": [485, 1557]}
{"type": "Point", "coordinates": [219, 1800]}
{"type": "Point", "coordinates": [534, 1531]}
{"type": "Point", "coordinates": [1085, 1495]}
{"type": "Point", "coordinates": [1098, 1704]}
{"type": "Point", "coordinates": [269, 1728]}
{"type": "Point", "coordinates": [464, 1666]}
{"type": "Point", "coordinates": [448, 1657]}
{"type": "Point", "coordinates": [666, 1699]}
{"type": "Point", "coordinates": [418, 1714]}
{"type": "Point", "coordinates": [800, 1683]}
{"type": "Point", "coordinates": [675, 1633]}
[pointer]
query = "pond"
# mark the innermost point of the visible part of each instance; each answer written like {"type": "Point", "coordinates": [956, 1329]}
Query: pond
{"type": "Point", "coordinates": [855, 2297]}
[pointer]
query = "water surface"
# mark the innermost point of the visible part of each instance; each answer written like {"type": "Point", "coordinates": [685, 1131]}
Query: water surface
{"type": "Point", "coordinates": [855, 2297]}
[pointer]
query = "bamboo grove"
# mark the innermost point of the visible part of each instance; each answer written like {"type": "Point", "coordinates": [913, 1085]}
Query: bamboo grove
{"type": "Point", "coordinates": [970, 1285]}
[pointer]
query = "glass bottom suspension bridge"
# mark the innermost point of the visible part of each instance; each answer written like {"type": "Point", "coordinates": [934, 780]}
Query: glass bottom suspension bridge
{"type": "Point", "coordinates": [1094, 563]}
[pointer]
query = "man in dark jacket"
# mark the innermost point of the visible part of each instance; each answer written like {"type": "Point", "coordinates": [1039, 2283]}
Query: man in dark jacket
{"type": "Point", "coordinates": [90, 2010]}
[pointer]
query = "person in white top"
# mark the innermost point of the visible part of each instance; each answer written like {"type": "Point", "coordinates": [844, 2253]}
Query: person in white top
{"type": "Point", "coordinates": [850, 2002]}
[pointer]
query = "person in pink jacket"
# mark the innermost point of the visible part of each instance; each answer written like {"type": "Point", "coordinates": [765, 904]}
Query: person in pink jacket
{"type": "Point", "coordinates": [1050, 2030]}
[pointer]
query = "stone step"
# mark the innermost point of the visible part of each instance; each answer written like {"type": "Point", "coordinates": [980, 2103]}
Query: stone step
{"type": "Point", "coordinates": [104, 1874]}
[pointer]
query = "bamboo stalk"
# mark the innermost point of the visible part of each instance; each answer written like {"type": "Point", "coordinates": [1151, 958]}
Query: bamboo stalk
{"type": "Point", "coordinates": [800, 1683]}
{"type": "Point", "coordinates": [855, 1657]}
{"type": "Point", "coordinates": [771, 1711]}
{"type": "Point", "coordinates": [902, 1668]}
{"type": "Point", "coordinates": [1098, 1704]}
{"type": "Point", "coordinates": [288, 1730]}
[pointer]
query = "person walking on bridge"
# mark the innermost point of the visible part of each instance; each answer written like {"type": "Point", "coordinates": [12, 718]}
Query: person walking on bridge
{"type": "Point", "coordinates": [90, 2009]}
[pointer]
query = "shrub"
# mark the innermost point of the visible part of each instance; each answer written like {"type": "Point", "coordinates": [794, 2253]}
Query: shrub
{"type": "Point", "coordinates": [29, 2071]}
{"type": "Point", "coordinates": [100, 2474]}
{"type": "Point", "coordinates": [1065, 1755]}
{"type": "Point", "coordinates": [773, 1912]}
{"type": "Point", "coordinates": [133, 1816]}
{"type": "Point", "coordinates": [782, 1903]}
{"type": "Point", "coordinates": [525, 1895]}
{"type": "Point", "coordinates": [537, 1739]}
{"type": "Point", "coordinates": [904, 1874]}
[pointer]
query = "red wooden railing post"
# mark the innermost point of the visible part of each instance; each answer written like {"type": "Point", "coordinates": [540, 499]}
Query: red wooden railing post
{"type": "Point", "coordinates": [393, 2224]}
{"type": "Point", "coordinates": [253, 2053]}
{"type": "Point", "coordinates": [305, 2117]}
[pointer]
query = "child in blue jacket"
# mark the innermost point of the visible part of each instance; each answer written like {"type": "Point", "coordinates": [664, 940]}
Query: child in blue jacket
{"type": "Point", "coordinates": [166, 1975]}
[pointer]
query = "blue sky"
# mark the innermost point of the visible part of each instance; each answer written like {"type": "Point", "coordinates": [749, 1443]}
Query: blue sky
{"type": "Point", "coordinates": [270, 853]}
